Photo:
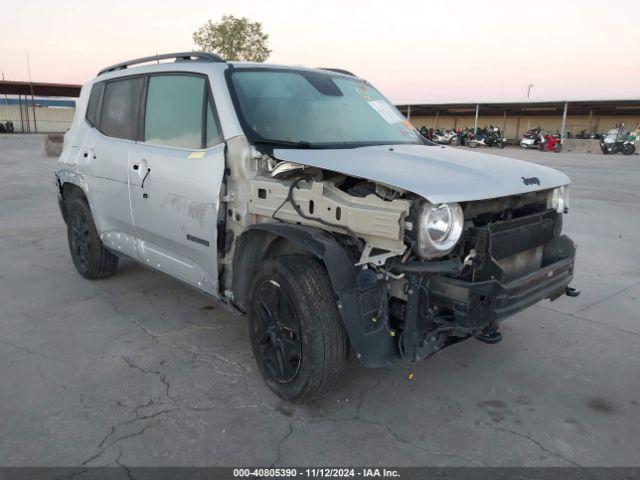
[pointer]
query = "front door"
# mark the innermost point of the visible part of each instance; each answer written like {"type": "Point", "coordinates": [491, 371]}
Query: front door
{"type": "Point", "coordinates": [175, 176]}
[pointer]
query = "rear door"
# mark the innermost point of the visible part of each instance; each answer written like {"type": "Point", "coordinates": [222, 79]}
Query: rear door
{"type": "Point", "coordinates": [113, 113]}
{"type": "Point", "coordinates": [175, 175]}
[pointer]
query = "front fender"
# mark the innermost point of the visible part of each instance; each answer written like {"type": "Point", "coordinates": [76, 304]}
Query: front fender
{"type": "Point", "coordinates": [361, 297]}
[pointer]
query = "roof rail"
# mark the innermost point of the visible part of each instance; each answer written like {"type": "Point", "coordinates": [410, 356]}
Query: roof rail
{"type": "Point", "coordinates": [339, 70]}
{"type": "Point", "coordinates": [179, 57]}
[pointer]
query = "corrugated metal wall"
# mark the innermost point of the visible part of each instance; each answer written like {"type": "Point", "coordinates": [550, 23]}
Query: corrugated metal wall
{"type": "Point", "coordinates": [47, 119]}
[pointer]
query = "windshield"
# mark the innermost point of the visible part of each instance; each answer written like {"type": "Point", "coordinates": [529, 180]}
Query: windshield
{"type": "Point", "coordinates": [314, 109]}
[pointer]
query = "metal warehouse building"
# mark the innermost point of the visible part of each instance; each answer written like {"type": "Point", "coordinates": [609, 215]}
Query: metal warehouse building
{"type": "Point", "coordinates": [516, 117]}
{"type": "Point", "coordinates": [38, 107]}
{"type": "Point", "coordinates": [49, 107]}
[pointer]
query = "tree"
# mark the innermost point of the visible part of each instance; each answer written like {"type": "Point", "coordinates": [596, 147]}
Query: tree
{"type": "Point", "coordinates": [234, 39]}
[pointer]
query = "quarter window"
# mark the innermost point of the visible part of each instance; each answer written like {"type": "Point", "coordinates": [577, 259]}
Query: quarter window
{"type": "Point", "coordinates": [119, 113]}
{"type": "Point", "coordinates": [213, 131]}
{"type": "Point", "coordinates": [93, 108]}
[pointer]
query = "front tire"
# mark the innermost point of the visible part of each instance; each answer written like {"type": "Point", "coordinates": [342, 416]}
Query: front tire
{"type": "Point", "coordinates": [91, 259]}
{"type": "Point", "coordinates": [296, 332]}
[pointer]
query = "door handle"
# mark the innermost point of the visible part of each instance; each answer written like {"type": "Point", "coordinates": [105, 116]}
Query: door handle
{"type": "Point", "coordinates": [135, 166]}
{"type": "Point", "coordinates": [145, 177]}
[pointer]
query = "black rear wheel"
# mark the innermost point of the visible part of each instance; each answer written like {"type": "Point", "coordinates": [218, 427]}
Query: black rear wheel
{"type": "Point", "coordinates": [629, 149]}
{"type": "Point", "coordinates": [295, 328]}
{"type": "Point", "coordinates": [90, 257]}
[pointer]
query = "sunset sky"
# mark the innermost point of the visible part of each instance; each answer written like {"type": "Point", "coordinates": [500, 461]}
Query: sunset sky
{"type": "Point", "coordinates": [411, 50]}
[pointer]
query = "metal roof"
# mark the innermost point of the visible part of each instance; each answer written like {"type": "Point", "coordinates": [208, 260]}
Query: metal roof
{"type": "Point", "coordinates": [40, 89]}
{"type": "Point", "coordinates": [617, 106]}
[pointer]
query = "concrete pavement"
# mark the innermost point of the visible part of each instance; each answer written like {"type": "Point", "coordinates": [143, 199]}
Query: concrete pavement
{"type": "Point", "coordinates": [139, 370]}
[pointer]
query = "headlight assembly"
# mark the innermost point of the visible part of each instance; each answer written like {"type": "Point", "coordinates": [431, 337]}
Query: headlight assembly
{"type": "Point", "coordinates": [558, 199]}
{"type": "Point", "coordinates": [440, 227]}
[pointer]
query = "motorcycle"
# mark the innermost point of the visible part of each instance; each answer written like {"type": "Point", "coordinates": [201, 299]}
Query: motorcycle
{"type": "Point", "coordinates": [531, 139]}
{"type": "Point", "coordinates": [551, 143]}
{"type": "Point", "coordinates": [487, 138]}
{"type": "Point", "coordinates": [616, 141]}
{"type": "Point", "coordinates": [445, 137]}
{"type": "Point", "coordinates": [9, 126]}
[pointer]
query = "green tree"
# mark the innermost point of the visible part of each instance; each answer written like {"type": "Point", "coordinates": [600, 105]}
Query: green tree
{"type": "Point", "coordinates": [234, 39]}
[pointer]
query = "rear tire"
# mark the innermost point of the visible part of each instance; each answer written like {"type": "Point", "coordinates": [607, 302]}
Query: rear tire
{"type": "Point", "coordinates": [91, 259]}
{"type": "Point", "coordinates": [296, 331]}
{"type": "Point", "coordinates": [629, 149]}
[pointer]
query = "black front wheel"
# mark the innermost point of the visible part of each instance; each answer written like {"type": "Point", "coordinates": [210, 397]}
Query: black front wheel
{"type": "Point", "coordinates": [295, 328]}
{"type": "Point", "coordinates": [90, 257]}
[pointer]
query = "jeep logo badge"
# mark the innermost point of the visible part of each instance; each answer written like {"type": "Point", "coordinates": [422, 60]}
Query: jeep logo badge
{"type": "Point", "coordinates": [531, 181]}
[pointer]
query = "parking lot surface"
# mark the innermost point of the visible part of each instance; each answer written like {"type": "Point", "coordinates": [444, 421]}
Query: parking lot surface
{"type": "Point", "coordinates": [138, 369]}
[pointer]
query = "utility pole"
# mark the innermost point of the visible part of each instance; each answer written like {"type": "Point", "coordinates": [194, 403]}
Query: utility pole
{"type": "Point", "coordinates": [6, 99]}
{"type": "Point", "coordinates": [475, 123]}
{"type": "Point", "coordinates": [564, 121]}
{"type": "Point", "coordinates": [33, 103]}
{"type": "Point", "coordinates": [529, 91]}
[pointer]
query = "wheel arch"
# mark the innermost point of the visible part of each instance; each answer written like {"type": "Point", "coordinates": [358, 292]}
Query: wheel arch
{"type": "Point", "coordinates": [373, 346]}
{"type": "Point", "coordinates": [68, 188]}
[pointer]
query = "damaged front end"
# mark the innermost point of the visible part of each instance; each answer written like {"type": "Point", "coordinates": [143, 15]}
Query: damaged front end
{"type": "Point", "coordinates": [401, 294]}
{"type": "Point", "coordinates": [511, 264]}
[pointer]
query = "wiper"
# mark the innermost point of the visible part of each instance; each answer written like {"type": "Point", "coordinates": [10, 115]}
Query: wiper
{"type": "Point", "coordinates": [283, 143]}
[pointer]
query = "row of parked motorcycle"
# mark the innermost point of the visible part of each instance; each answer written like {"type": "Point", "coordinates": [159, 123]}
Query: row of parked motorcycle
{"type": "Point", "coordinates": [543, 140]}
{"type": "Point", "coordinates": [614, 141]}
{"type": "Point", "coordinates": [482, 137]}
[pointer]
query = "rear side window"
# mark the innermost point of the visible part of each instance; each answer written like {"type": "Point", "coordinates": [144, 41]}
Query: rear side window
{"type": "Point", "coordinates": [93, 108]}
{"type": "Point", "coordinates": [119, 113]}
{"type": "Point", "coordinates": [174, 111]}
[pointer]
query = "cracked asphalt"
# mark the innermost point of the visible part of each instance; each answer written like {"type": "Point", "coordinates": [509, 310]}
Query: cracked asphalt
{"type": "Point", "coordinates": [139, 370]}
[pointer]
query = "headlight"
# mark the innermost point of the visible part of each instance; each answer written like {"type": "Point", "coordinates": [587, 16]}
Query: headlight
{"type": "Point", "coordinates": [440, 227]}
{"type": "Point", "coordinates": [558, 199]}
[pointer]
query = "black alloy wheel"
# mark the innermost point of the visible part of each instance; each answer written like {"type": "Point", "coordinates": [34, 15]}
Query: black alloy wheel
{"type": "Point", "coordinates": [277, 330]}
{"type": "Point", "coordinates": [296, 331]}
{"type": "Point", "coordinates": [90, 257]}
{"type": "Point", "coordinates": [79, 238]}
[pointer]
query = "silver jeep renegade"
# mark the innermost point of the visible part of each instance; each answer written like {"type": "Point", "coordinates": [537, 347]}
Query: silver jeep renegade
{"type": "Point", "coordinates": [302, 198]}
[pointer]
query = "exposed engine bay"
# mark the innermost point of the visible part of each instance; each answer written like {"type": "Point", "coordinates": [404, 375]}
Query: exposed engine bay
{"type": "Point", "coordinates": [421, 304]}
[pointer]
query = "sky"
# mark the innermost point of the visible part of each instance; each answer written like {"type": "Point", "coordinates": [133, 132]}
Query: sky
{"type": "Point", "coordinates": [412, 51]}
